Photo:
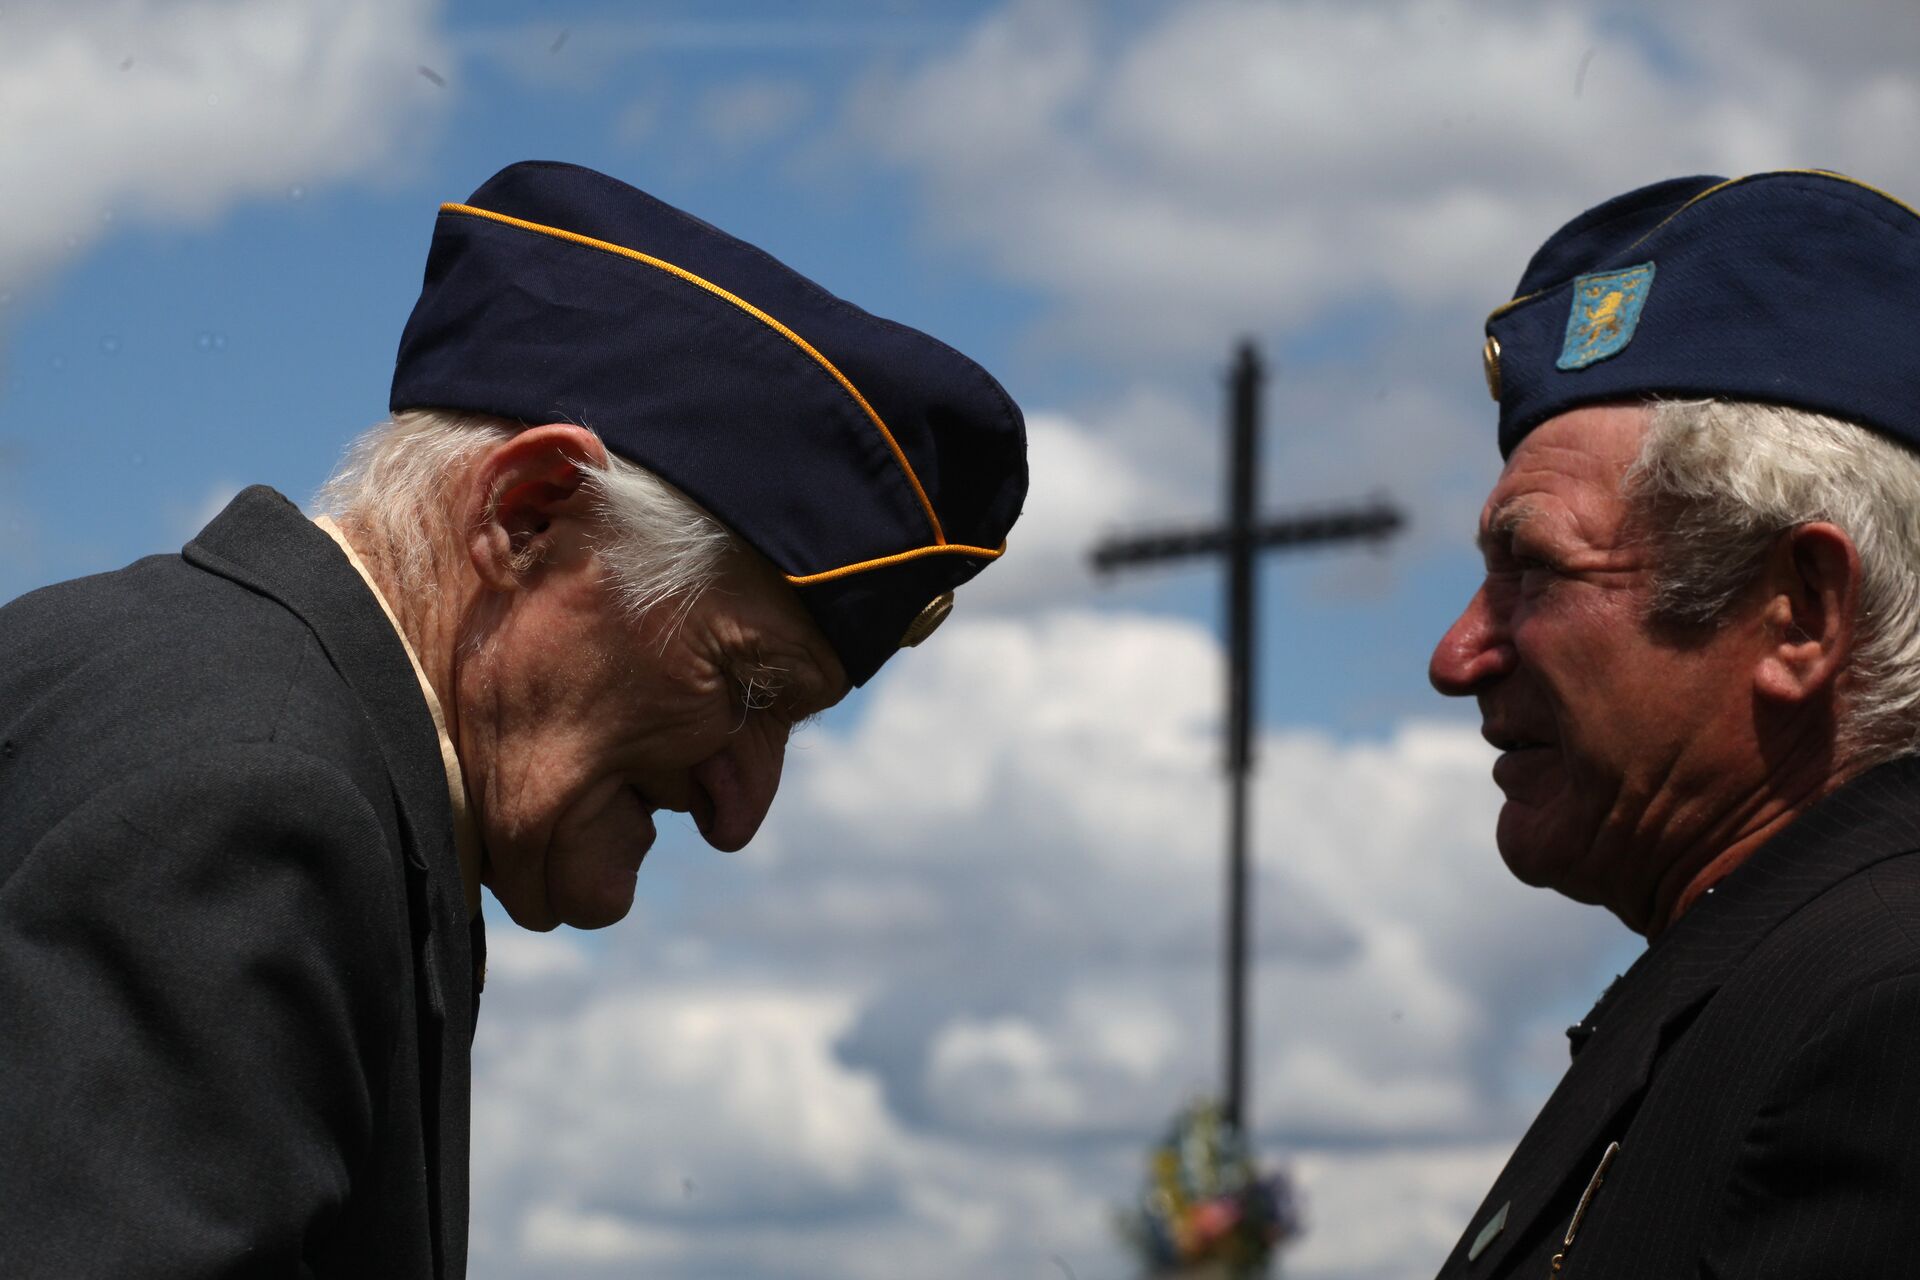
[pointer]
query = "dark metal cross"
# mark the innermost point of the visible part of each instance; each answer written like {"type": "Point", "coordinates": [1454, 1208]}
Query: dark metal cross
{"type": "Point", "coordinates": [1239, 540]}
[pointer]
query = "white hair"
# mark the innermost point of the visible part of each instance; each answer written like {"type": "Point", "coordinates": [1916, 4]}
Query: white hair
{"type": "Point", "coordinates": [657, 545]}
{"type": "Point", "coordinates": [1717, 481]}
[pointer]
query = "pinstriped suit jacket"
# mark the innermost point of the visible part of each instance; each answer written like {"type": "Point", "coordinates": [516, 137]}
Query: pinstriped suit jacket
{"type": "Point", "coordinates": [1759, 1067]}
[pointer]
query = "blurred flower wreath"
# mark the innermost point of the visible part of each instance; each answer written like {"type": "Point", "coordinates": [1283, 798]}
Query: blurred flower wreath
{"type": "Point", "coordinates": [1207, 1211]}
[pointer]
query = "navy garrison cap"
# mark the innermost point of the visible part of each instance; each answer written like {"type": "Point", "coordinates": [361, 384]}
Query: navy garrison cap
{"type": "Point", "coordinates": [874, 466]}
{"type": "Point", "coordinates": [1799, 287]}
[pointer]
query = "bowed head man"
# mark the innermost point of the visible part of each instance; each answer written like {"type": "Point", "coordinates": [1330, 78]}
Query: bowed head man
{"type": "Point", "coordinates": [647, 499]}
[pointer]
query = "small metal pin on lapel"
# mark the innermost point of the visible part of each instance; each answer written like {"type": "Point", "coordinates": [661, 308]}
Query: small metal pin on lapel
{"type": "Point", "coordinates": [1586, 1198]}
{"type": "Point", "coordinates": [1495, 1225]}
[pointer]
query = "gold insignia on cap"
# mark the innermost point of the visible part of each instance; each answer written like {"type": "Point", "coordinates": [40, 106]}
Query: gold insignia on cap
{"type": "Point", "coordinates": [929, 620]}
{"type": "Point", "coordinates": [1490, 363]}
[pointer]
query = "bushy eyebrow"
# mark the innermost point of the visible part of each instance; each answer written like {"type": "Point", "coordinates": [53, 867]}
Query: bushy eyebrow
{"type": "Point", "coordinates": [1506, 517]}
{"type": "Point", "coordinates": [764, 685]}
{"type": "Point", "coordinates": [761, 684]}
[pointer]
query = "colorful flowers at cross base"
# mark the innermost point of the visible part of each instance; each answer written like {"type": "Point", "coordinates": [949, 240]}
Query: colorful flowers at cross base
{"type": "Point", "coordinates": [1207, 1210]}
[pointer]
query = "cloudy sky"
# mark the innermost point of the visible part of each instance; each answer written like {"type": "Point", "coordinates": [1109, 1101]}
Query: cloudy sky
{"type": "Point", "coordinates": [928, 1023]}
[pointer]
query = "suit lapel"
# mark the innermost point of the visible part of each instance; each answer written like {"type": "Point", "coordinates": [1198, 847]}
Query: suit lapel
{"type": "Point", "coordinates": [1617, 1046]}
{"type": "Point", "coordinates": [1590, 1106]}
{"type": "Point", "coordinates": [263, 542]}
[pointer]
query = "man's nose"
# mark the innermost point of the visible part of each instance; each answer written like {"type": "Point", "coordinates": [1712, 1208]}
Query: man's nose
{"type": "Point", "coordinates": [1475, 649]}
{"type": "Point", "coordinates": [739, 783]}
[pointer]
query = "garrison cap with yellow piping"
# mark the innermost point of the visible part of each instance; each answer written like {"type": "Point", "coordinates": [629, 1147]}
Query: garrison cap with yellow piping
{"type": "Point", "coordinates": [875, 467]}
{"type": "Point", "coordinates": [1799, 287]}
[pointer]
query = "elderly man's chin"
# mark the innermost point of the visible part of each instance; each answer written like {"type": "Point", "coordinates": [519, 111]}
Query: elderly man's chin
{"type": "Point", "coordinates": [1533, 833]}
{"type": "Point", "coordinates": [589, 868]}
{"type": "Point", "coordinates": [591, 877]}
{"type": "Point", "coordinates": [1523, 836]}
{"type": "Point", "coordinates": [596, 895]}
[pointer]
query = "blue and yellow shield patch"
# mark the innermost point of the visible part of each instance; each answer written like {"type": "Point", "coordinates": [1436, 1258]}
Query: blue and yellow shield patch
{"type": "Point", "coordinates": [1606, 309]}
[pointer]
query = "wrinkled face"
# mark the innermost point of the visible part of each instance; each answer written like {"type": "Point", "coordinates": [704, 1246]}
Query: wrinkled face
{"type": "Point", "coordinates": [577, 725]}
{"type": "Point", "coordinates": [1620, 746]}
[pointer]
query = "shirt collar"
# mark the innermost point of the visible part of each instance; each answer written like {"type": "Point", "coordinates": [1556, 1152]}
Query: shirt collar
{"type": "Point", "coordinates": [466, 836]}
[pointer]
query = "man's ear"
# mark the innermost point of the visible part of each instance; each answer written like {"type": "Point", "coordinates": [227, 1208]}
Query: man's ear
{"type": "Point", "coordinates": [523, 495]}
{"type": "Point", "coordinates": [1812, 596]}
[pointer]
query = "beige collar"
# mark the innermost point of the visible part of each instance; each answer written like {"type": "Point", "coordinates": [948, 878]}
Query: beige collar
{"type": "Point", "coordinates": [466, 837]}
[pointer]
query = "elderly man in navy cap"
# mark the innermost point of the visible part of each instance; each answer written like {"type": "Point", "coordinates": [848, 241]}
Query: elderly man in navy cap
{"type": "Point", "coordinates": [1697, 650]}
{"type": "Point", "coordinates": [647, 499]}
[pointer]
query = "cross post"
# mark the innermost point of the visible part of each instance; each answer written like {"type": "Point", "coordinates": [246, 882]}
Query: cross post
{"type": "Point", "coordinates": [1240, 541]}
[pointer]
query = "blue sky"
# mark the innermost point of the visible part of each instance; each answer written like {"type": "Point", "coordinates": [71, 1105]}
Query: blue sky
{"type": "Point", "coordinates": [940, 1007]}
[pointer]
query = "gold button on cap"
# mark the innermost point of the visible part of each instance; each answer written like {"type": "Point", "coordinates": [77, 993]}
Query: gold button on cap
{"type": "Point", "coordinates": [929, 620]}
{"type": "Point", "coordinates": [1490, 363]}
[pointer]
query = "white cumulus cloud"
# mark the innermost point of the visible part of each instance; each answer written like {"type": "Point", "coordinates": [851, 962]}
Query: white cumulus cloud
{"type": "Point", "coordinates": [1223, 166]}
{"type": "Point", "coordinates": [171, 110]}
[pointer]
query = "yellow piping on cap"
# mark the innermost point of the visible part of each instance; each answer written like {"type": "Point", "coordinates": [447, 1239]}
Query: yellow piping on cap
{"type": "Point", "coordinates": [944, 549]}
{"type": "Point", "coordinates": [846, 384]}
{"type": "Point", "coordinates": [1505, 307]}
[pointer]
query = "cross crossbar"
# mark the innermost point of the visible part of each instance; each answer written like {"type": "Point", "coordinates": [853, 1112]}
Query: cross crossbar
{"type": "Point", "coordinates": [1374, 522]}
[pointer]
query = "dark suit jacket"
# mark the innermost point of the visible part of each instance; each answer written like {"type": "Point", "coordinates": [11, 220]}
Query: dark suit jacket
{"type": "Point", "coordinates": [236, 992]}
{"type": "Point", "coordinates": [1759, 1067]}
